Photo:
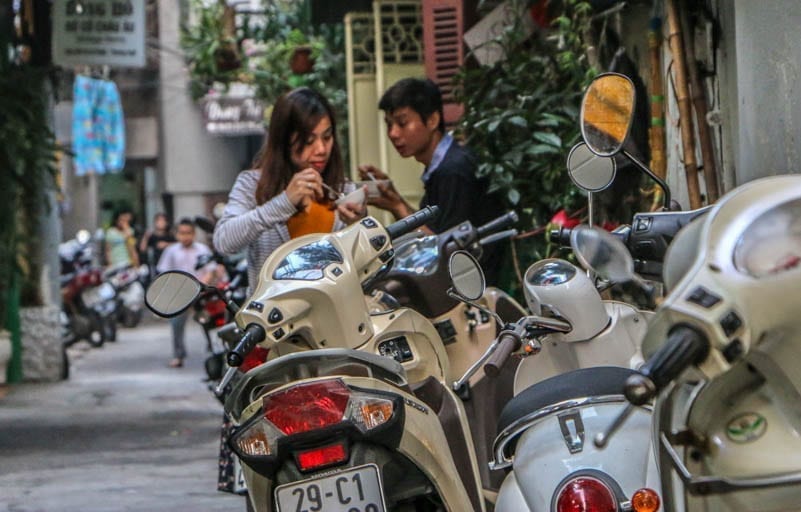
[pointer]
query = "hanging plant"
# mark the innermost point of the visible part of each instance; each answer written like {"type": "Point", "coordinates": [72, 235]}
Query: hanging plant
{"type": "Point", "coordinates": [277, 50]}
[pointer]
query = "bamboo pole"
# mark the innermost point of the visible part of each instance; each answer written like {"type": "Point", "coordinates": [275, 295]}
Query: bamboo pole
{"type": "Point", "coordinates": [656, 133]}
{"type": "Point", "coordinates": [685, 109]}
{"type": "Point", "coordinates": [698, 96]}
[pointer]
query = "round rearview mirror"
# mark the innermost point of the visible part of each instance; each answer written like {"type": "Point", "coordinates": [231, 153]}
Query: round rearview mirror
{"type": "Point", "coordinates": [589, 171]}
{"type": "Point", "coordinates": [172, 292]}
{"type": "Point", "coordinates": [603, 253]}
{"type": "Point", "coordinates": [607, 111]}
{"type": "Point", "coordinates": [466, 275]}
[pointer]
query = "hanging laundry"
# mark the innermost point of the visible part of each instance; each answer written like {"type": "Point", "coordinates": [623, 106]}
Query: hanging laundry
{"type": "Point", "coordinates": [98, 127]}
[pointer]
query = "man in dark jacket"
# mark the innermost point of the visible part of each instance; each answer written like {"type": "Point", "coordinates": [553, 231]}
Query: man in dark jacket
{"type": "Point", "coordinates": [415, 126]}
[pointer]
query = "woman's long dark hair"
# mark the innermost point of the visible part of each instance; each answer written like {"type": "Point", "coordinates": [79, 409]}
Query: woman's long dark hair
{"type": "Point", "coordinates": [294, 117]}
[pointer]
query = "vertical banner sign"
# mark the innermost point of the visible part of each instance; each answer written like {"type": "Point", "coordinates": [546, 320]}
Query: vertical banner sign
{"type": "Point", "coordinates": [99, 32]}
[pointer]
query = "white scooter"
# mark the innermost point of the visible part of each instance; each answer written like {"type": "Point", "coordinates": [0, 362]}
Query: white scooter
{"type": "Point", "coordinates": [723, 352]}
{"type": "Point", "coordinates": [353, 410]}
{"type": "Point", "coordinates": [570, 389]}
{"type": "Point", "coordinates": [542, 429]}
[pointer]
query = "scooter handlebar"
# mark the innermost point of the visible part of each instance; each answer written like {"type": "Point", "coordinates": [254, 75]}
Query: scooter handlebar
{"type": "Point", "coordinates": [502, 222]}
{"type": "Point", "coordinates": [685, 346]}
{"type": "Point", "coordinates": [507, 343]}
{"type": "Point", "coordinates": [412, 222]}
{"type": "Point", "coordinates": [497, 237]}
{"type": "Point", "coordinates": [254, 334]}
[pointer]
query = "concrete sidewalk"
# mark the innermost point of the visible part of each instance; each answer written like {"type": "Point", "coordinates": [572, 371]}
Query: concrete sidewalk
{"type": "Point", "coordinates": [124, 433]}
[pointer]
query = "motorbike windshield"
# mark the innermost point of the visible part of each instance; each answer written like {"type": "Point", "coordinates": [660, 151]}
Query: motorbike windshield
{"type": "Point", "coordinates": [419, 256]}
{"type": "Point", "coordinates": [771, 244]}
{"type": "Point", "coordinates": [307, 263]}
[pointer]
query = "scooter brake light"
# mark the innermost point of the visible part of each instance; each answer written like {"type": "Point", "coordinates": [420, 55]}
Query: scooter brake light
{"type": "Point", "coordinates": [586, 494]}
{"type": "Point", "coordinates": [322, 457]}
{"type": "Point", "coordinates": [645, 500]}
{"type": "Point", "coordinates": [307, 407]}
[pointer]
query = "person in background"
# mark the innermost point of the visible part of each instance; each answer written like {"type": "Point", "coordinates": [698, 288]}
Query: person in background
{"type": "Point", "coordinates": [155, 240]}
{"type": "Point", "coordinates": [120, 241]}
{"type": "Point", "coordinates": [415, 126]}
{"type": "Point", "coordinates": [284, 196]}
{"type": "Point", "coordinates": [184, 255]}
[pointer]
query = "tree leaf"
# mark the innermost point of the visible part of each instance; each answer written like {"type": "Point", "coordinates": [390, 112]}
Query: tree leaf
{"type": "Point", "coordinates": [548, 138]}
{"type": "Point", "coordinates": [513, 196]}
{"type": "Point", "coordinates": [518, 121]}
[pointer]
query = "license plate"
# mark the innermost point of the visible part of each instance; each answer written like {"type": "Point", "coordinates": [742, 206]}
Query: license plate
{"type": "Point", "coordinates": [355, 490]}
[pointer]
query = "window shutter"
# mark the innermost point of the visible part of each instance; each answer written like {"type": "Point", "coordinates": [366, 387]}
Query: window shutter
{"type": "Point", "coordinates": [443, 29]}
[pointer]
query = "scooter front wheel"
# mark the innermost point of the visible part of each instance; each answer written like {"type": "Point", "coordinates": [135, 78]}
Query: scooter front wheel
{"type": "Point", "coordinates": [96, 336]}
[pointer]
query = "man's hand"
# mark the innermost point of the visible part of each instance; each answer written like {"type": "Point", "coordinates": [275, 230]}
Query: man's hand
{"type": "Point", "coordinates": [365, 171]}
{"type": "Point", "coordinates": [389, 198]}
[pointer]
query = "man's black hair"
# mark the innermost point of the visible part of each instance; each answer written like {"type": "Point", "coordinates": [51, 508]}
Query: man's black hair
{"type": "Point", "coordinates": [422, 96]}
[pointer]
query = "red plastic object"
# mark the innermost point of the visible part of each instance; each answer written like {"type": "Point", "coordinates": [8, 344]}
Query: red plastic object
{"type": "Point", "coordinates": [322, 457]}
{"type": "Point", "coordinates": [586, 494]}
{"type": "Point", "coordinates": [307, 407]}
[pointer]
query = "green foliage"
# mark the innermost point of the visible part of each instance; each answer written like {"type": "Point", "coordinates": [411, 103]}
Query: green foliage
{"type": "Point", "coordinates": [27, 165]}
{"type": "Point", "coordinates": [521, 116]}
{"type": "Point", "coordinates": [264, 46]}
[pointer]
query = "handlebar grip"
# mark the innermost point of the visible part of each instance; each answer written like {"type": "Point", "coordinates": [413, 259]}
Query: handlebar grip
{"type": "Point", "coordinates": [560, 237]}
{"type": "Point", "coordinates": [413, 221]}
{"type": "Point", "coordinates": [507, 344]}
{"type": "Point", "coordinates": [685, 346]}
{"type": "Point", "coordinates": [504, 221]}
{"type": "Point", "coordinates": [497, 237]}
{"type": "Point", "coordinates": [254, 334]}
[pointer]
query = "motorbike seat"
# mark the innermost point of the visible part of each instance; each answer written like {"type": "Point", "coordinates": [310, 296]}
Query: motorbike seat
{"type": "Point", "coordinates": [586, 382]}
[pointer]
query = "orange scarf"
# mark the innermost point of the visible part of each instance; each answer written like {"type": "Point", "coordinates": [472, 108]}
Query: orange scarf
{"type": "Point", "coordinates": [315, 218]}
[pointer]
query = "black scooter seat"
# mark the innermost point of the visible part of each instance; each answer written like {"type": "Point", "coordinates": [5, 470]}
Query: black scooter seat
{"type": "Point", "coordinates": [586, 382]}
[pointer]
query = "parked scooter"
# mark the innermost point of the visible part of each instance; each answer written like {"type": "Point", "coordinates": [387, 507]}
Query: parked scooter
{"type": "Point", "coordinates": [568, 385]}
{"type": "Point", "coordinates": [127, 282]}
{"type": "Point", "coordinates": [341, 426]}
{"type": "Point", "coordinates": [722, 351]}
{"type": "Point", "coordinates": [216, 320]}
{"type": "Point", "coordinates": [418, 278]}
{"type": "Point", "coordinates": [87, 300]}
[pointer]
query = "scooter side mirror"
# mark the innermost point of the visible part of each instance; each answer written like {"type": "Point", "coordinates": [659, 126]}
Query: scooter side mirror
{"type": "Point", "coordinates": [607, 112]}
{"type": "Point", "coordinates": [172, 292]}
{"type": "Point", "coordinates": [589, 171]}
{"type": "Point", "coordinates": [603, 253]}
{"type": "Point", "coordinates": [466, 275]}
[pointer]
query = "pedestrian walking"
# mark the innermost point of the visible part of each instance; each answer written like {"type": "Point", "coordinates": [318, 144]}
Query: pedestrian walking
{"type": "Point", "coordinates": [183, 255]}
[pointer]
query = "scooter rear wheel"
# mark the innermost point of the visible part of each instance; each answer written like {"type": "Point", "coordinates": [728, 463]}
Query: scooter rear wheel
{"type": "Point", "coordinates": [109, 327]}
{"type": "Point", "coordinates": [130, 318]}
